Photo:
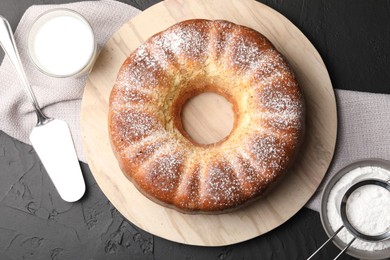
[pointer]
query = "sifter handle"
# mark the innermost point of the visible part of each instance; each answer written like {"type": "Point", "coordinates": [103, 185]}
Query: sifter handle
{"type": "Point", "coordinates": [325, 243]}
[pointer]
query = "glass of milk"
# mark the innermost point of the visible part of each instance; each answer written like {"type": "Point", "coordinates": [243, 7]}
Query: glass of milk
{"type": "Point", "coordinates": [61, 44]}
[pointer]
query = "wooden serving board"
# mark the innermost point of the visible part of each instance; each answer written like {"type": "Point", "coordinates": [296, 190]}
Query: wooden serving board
{"type": "Point", "coordinates": [285, 199]}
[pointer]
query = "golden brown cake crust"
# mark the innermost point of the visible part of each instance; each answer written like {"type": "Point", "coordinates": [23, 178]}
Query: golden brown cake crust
{"type": "Point", "coordinates": [187, 59]}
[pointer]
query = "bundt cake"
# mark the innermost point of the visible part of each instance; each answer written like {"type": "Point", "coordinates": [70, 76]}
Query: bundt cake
{"type": "Point", "coordinates": [189, 58]}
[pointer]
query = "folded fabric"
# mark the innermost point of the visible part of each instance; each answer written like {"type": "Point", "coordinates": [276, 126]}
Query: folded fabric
{"type": "Point", "coordinates": [59, 98]}
{"type": "Point", "coordinates": [363, 132]}
{"type": "Point", "coordinates": [363, 125]}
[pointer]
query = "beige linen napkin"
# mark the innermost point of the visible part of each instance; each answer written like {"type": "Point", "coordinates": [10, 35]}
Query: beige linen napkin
{"type": "Point", "coordinates": [363, 117]}
{"type": "Point", "coordinates": [59, 98]}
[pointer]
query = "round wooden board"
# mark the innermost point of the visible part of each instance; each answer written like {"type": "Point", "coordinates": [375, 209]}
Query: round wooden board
{"type": "Point", "coordinates": [264, 215]}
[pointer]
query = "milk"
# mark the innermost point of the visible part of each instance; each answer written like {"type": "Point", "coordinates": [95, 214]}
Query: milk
{"type": "Point", "coordinates": [61, 43]}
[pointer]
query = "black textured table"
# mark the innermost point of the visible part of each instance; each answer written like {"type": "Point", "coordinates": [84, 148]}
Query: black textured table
{"type": "Point", "coordinates": [353, 38]}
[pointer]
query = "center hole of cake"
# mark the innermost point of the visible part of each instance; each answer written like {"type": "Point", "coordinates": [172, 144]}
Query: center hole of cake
{"type": "Point", "coordinates": [208, 118]}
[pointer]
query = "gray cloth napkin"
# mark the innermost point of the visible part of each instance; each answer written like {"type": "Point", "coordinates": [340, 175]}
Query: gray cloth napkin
{"type": "Point", "coordinates": [363, 122]}
{"type": "Point", "coordinates": [59, 98]}
{"type": "Point", "coordinates": [363, 132]}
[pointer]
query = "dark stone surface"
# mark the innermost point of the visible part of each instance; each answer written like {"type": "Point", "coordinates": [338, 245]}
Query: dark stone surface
{"type": "Point", "coordinates": [353, 37]}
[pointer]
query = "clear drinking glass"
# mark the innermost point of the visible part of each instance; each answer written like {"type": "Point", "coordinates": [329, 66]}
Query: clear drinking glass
{"type": "Point", "coordinates": [61, 43]}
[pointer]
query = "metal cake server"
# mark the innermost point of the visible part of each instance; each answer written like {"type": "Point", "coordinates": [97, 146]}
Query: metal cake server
{"type": "Point", "coordinates": [50, 137]}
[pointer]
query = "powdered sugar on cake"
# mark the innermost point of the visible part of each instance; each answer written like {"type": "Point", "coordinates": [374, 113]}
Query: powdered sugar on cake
{"type": "Point", "coordinates": [161, 161]}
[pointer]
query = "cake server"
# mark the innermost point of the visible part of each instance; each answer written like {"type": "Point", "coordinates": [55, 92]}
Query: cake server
{"type": "Point", "coordinates": [50, 137]}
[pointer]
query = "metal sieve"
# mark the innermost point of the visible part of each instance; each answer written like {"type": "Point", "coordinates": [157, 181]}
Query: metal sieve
{"type": "Point", "coordinates": [346, 222]}
{"type": "Point", "coordinates": [343, 210]}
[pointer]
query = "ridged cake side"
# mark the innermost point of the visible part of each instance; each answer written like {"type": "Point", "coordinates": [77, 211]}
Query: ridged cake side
{"type": "Point", "coordinates": [187, 59]}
